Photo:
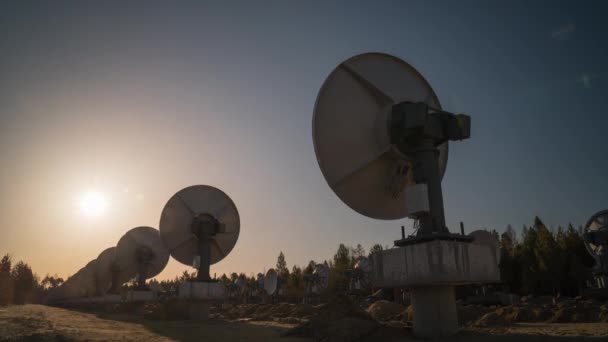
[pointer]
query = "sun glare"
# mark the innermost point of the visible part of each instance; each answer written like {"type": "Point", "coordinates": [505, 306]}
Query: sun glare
{"type": "Point", "coordinates": [93, 204]}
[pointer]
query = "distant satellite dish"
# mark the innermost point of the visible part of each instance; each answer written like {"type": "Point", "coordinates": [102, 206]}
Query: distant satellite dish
{"type": "Point", "coordinates": [321, 277]}
{"type": "Point", "coordinates": [140, 253]}
{"type": "Point", "coordinates": [88, 282]}
{"type": "Point", "coordinates": [108, 274]}
{"type": "Point", "coordinates": [81, 283]}
{"type": "Point", "coordinates": [361, 275]}
{"type": "Point", "coordinates": [596, 238]}
{"type": "Point", "coordinates": [270, 281]}
{"type": "Point", "coordinates": [484, 237]}
{"type": "Point", "coordinates": [363, 265]}
{"type": "Point", "coordinates": [200, 225]}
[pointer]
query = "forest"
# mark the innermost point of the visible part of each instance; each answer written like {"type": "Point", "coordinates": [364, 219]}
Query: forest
{"type": "Point", "coordinates": [543, 261]}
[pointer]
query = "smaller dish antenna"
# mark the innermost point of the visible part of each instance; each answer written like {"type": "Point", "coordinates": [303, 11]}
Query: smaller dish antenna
{"type": "Point", "coordinates": [320, 276]}
{"type": "Point", "coordinates": [596, 240]}
{"type": "Point", "coordinates": [200, 226]}
{"type": "Point", "coordinates": [361, 274]}
{"type": "Point", "coordinates": [108, 276]}
{"type": "Point", "coordinates": [140, 253]}
{"type": "Point", "coordinates": [271, 281]}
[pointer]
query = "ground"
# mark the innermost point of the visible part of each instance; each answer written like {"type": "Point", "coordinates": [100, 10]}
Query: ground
{"type": "Point", "coordinates": [43, 323]}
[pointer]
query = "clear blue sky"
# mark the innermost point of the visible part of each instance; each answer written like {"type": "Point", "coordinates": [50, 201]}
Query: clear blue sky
{"type": "Point", "coordinates": [148, 97]}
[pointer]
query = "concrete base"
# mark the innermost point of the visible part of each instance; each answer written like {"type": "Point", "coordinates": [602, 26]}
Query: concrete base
{"type": "Point", "coordinates": [435, 312]}
{"type": "Point", "coordinates": [434, 263]}
{"type": "Point", "coordinates": [202, 291]}
{"type": "Point", "coordinates": [431, 270]}
{"type": "Point", "coordinates": [200, 295]}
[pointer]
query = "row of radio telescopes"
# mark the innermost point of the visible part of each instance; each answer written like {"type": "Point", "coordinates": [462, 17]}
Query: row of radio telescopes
{"type": "Point", "coordinates": [381, 141]}
{"type": "Point", "coordinates": [199, 226]}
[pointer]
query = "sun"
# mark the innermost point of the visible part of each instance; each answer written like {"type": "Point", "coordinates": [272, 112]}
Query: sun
{"type": "Point", "coordinates": [93, 204]}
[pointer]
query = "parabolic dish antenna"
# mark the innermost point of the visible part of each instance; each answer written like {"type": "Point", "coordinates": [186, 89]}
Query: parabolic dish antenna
{"type": "Point", "coordinates": [363, 266]}
{"type": "Point", "coordinates": [321, 277]}
{"type": "Point", "coordinates": [108, 275]}
{"type": "Point", "coordinates": [141, 253]}
{"type": "Point", "coordinates": [351, 132]}
{"type": "Point", "coordinates": [200, 225]}
{"type": "Point", "coordinates": [88, 278]}
{"type": "Point", "coordinates": [596, 237]}
{"type": "Point", "coordinates": [270, 281]}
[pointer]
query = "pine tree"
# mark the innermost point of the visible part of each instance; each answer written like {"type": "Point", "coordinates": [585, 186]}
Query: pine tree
{"type": "Point", "coordinates": [512, 234]}
{"type": "Point", "coordinates": [358, 252]}
{"type": "Point", "coordinates": [282, 269]}
{"type": "Point", "coordinates": [338, 267]}
{"type": "Point", "coordinates": [377, 248]}
{"type": "Point", "coordinates": [310, 267]}
{"type": "Point", "coordinates": [24, 283]}
{"type": "Point", "coordinates": [6, 283]}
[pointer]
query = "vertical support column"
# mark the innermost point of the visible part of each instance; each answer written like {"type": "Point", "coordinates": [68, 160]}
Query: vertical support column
{"type": "Point", "coordinates": [204, 248]}
{"type": "Point", "coordinates": [427, 171]}
{"type": "Point", "coordinates": [435, 312]}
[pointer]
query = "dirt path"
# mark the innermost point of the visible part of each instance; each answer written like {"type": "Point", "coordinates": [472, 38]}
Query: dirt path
{"type": "Point", "coordinates": [42, 323]}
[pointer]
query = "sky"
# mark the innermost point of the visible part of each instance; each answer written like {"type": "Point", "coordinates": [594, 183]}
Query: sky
{"type": "Point", "coordinates": [138, 100]}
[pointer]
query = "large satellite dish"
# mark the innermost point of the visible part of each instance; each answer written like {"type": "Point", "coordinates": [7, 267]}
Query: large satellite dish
{"type": "Point", "coordinates": [378, 128]}
{"type": "Point", "coordinates": [271, 281]}
{"type": "Point", "coordinates": [200, 225]}
{"type": "Point", "coordinates": [351, 130]}
{"type": "Point", "coordinates": [596, 238]}
{"type": "Point", "coordinates": [140, 253]}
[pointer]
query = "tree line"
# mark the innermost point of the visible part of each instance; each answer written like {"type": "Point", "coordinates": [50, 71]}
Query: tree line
{"type": "Point", "coordinates": [543, 261]}
{"type": "Point", "coordinates": [20, 285]}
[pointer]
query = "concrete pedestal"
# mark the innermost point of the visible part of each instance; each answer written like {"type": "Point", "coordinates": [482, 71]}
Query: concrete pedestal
{"type": "Point", "coordinates": [200, 295]}
{"type": "Point", "coordinates": [435, 312]}
{"type": "Point", "coordinates": [431, 270]}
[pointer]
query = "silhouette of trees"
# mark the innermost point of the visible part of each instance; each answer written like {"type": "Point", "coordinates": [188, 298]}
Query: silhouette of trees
{"type": "Point", "coordinates": [540, 261]}
{"type": "Point", "coordinates": [24, 283]}
{"type": "Point", "coordinates": [6, 283]}
{"type": "Point", "coordinates": [281, 266]}
{"type": "Point", "coordinates": [377, 248]}
{"type": "Point", "coordinates": [544, 262]}
{"type": "Point", "coordinates": [358, 252]}
{"type": "Point", "coordinates": [51, 282]}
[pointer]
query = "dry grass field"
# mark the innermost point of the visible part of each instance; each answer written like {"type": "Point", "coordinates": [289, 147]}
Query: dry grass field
{"type": "Point", "coordinates": [43, 323]}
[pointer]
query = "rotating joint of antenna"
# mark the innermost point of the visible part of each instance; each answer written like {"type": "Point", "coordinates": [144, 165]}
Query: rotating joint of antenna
{"type": "Point", "coordinates": [413, 126]}
{"type": "Point", "coordinates": [204, 226]}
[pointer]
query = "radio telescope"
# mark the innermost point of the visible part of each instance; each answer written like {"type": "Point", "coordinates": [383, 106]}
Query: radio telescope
{"type": "Point", "coordinates": [271, 282]}
{"type": "Point", "coordinates": [140, 253]}
{"type": "Point", "coordinates": [108, 274]}
{"type": "Point", "coordinates": [381, 141]}
{"type": "Point", "coordinates": [596, 242]}
{"type": "Point", "coordinates": [200, 226]}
